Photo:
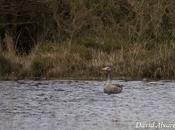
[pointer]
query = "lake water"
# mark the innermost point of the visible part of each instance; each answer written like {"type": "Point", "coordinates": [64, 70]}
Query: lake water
{"type": "Point", "coordinates": [82, 105]}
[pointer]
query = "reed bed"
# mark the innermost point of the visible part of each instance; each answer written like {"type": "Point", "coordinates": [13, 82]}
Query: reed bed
{"type": "Point", "coordinates": [53, 60]}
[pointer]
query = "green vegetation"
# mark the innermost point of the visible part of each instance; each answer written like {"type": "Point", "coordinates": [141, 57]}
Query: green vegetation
{"type": "Point", "coordinates": [5, 66]}
{"type": "Point", "coordinates": [8, 69]}
{"type": "Point", "coordinates": [134, 61]}
{"type": "Point", "coordinates": [78, 37]}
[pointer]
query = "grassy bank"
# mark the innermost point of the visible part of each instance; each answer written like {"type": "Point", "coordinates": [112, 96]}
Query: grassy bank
{"type": "Point", "coordinates": [82, 61]}
{"type": "Point", "coordinates": [79, 37]}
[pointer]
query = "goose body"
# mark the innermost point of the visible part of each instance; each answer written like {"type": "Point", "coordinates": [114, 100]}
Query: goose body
{"type": "Point", "coordinates": [112, 88]}
{"type": "Point", "coordinates": [109, 87]}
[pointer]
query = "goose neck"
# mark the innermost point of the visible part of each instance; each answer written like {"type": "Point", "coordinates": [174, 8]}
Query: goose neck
{"type": "Point", "coordinates": [109, 77]}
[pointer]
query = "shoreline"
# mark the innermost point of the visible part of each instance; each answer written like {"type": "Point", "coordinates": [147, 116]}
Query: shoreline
{"type": "Point", "coordinates": [83, 79]}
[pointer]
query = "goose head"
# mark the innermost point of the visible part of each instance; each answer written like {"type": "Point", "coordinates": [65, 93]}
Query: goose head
{"type": "Point", "coordinates": [107, 69]}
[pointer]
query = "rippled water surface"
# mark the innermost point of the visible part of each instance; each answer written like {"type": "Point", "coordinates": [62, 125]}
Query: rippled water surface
{"type": "Point", "coordinates": [82, 105]}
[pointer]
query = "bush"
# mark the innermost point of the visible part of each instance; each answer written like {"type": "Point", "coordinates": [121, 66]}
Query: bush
{"type": "Point", "coordinates": [38, 67]}
{"type": "Point", "coordinates": [5, 66]}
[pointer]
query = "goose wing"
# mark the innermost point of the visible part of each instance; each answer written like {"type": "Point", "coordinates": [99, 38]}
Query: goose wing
{"type": "Point", "coordinates": [111, 89]}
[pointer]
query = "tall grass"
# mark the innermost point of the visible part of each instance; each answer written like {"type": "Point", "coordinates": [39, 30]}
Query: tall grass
{"type": "Point", "coordinates": [134, 61]}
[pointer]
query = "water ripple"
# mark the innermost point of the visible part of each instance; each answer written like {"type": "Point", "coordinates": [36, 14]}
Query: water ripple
{"type": "Point", "coordinates": [82, 105]}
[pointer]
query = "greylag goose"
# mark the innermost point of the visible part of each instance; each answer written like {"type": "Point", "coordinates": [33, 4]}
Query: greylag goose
{"type": "Point", "coordinates": [109, 87]}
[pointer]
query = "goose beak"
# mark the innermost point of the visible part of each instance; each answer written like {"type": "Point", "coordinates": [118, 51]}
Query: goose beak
{"type": "Point", "coordinates": [106, 69]}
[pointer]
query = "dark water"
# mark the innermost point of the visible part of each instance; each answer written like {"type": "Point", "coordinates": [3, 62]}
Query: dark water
{"type": "Point", "coordinates": [82, 105]}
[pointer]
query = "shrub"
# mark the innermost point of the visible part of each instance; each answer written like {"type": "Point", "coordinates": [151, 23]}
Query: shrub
{"type": "Point", "coordinates": [38, 67]}
{"type": "Point", "coordinates": [5, 66]}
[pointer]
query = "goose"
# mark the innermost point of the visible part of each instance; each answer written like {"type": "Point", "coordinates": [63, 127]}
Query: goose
{"type": "Point", "coordinates": [109, 87]}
